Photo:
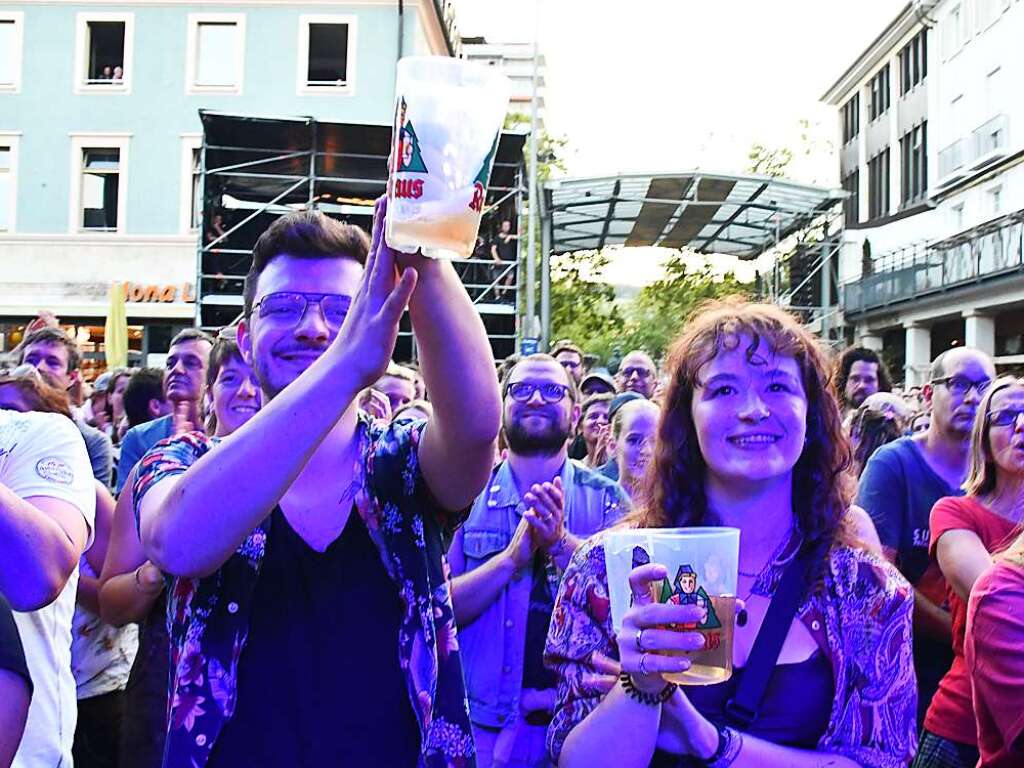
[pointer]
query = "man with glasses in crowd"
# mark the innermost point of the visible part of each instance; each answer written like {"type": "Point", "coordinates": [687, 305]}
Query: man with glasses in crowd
{"type": "Point", "coordinates": [570, 357]}
{"type": "Point", "coordinates": [637, 373]}
{"type": "Point", "coordinates": [508, 557]}
{"type": "Point", "coordinates": [904, 479]}
{"type": "Point", "coordinates": [312, 621]}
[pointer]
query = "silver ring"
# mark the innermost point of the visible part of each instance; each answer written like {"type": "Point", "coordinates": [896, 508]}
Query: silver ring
{"type": "Point", "coordinates": [638, 641]}
{"type": "Point", "coordinates": [642, 665]}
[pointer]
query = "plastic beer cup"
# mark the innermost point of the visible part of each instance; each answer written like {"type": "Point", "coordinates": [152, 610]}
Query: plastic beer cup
{"type": "Point", "coordinates": [448, 119]}
{"type": "Point", "coordinates": [702, 565]}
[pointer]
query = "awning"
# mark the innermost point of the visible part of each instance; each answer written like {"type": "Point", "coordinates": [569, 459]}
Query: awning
{"type": "Point", "coordinates": [710, 213]}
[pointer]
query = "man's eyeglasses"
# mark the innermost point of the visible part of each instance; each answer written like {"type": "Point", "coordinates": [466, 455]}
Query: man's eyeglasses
{"type": "Point", "coordinates": [288, 307]}
{"type": "Point", "coordinates": [640, 373]}
{"type": "Point", "coordinates": [522, 391]}
{"type": "Point", "coordinates": [961, 385]}
{"type": "Point", "coordinates": [1005, 417]}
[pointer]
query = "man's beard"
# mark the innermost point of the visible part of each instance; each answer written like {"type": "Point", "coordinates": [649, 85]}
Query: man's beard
{"type": "Point", "coordinates": [545, 442]}
{"type": "Point", "coordinates": [857, 398]}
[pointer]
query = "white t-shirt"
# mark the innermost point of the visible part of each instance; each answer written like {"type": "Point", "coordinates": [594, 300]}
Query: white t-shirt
{"type": "Point", "coordinates": [43, 454]}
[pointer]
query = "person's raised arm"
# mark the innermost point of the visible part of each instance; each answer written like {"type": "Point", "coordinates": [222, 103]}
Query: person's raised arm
{"type": "Point", "coordinates": [129, 583]}
{"type": "Point", "coordinates": [189, 525]}
{"type": "Point", "coordinates": [89, 586]}
{"type": "Point", "coordinates": [475, 591]}
{"type": "Point", "coordinates": [962, 559]}
{"type": "Point", "coordinates": [458, 368]}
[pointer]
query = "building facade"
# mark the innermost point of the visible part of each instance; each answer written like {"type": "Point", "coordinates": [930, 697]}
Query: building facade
{"type": "Point", "coordinates": [515, 60]}
{"type": "Point", "coordinates": [100, 134]}
{"type": "Point", "coordinates": [931, 125]}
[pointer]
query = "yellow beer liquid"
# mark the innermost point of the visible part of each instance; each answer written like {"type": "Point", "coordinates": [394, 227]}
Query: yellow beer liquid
{"type": "Point", "coordinates": [449, 233]}
{"type": "Point", "coordinates": [713, 664]}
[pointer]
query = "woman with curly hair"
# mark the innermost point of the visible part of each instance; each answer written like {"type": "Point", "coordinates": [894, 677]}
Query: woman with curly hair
{"type": "Point", "coordinates": [750, 437]}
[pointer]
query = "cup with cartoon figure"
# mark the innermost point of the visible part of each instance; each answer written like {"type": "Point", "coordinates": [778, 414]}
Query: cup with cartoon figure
{"type": "Point", "coordinates": [448, 118]}
{"type": "Point", "coordinates": [702, 567]}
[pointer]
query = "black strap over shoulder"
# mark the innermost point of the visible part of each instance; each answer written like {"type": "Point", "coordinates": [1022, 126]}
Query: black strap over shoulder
{"type": "Point", "coordinates": [742, 709]}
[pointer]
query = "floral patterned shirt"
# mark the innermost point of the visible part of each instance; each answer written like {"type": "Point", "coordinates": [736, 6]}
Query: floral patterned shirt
{"type": "Point", "coordinates": [208, 618]}
{"type": "Point", "coordinates": [861, 619]}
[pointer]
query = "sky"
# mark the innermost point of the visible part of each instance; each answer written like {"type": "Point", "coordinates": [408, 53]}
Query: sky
{"type": "Point", "coordinates": [671, 85]}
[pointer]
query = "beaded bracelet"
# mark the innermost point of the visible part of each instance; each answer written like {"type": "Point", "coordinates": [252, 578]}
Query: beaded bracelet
{"type": "Point", "coordinates": [646, 698]}
{"type": "Point", "coordinates": [730, 742]}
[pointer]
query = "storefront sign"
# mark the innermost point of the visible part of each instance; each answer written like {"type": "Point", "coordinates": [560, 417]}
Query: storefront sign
{"type": "Point", "coordinates": [135, 292]}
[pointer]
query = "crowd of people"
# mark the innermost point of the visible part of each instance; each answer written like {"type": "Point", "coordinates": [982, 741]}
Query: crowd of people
{"type": "Point", "coordinates": [286, 549]}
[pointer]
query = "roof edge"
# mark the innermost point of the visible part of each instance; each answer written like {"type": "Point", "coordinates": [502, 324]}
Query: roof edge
{"type": "Point", "coordinates": [871, 56]}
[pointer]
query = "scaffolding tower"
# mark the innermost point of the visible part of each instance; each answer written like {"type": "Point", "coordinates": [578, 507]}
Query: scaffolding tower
{"type": "Point", "coordinates": [254, 169]}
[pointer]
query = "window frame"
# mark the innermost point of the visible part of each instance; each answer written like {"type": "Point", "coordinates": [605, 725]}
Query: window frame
{"type": "Point", "coordinates": [851, 118]}
{"type": "Point", "coordinates": [87, 140]}
{"type": "Point", "coordinates": [124, 87]}
{"type": "Point", "coordinates": [193, 88]}
{"type": "Point", "coordinates": [879, 179]}
{"type": "Point", "coordinates": [302, 86]}
{"type": "Point", "coordinates": [189, 143]}
{"type": "Point", "coordinates": [11, 139]}
{"type": "Point", "coordinates": [18, 18]}
{"type": "Point", "coordinates": [914, 165]}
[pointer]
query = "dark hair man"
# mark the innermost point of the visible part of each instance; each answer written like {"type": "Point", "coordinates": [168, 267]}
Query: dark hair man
{"type": "Point", "coordinates": [47, 511]}
{"type": "Point", "coordinates": [901, 483]}
{"type": "Point", "coordinates": [52, 351]}
{"type": "Point", "coordinates": [506, 560]}
{"type": "Point", "coordinates": [570, 357]}
{"type": "Point", "coordinates": [334, 641]}
{"type": "Point", "coordinates": [184, 385]}
{"type": "Point", "coordinates": [144, 398]}
{"type": "Point", "coordinates": [859, 372]}
{"type": "Point", "coordinates": [637, 373]}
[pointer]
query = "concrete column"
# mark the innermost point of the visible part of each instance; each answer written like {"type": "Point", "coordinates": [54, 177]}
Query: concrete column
{"type": "Point", "coordinates": [980, 331]}
{"type": "Point", "coordinates": [870, 340]}
{"type": "Point", "coordinates": [918, 354]}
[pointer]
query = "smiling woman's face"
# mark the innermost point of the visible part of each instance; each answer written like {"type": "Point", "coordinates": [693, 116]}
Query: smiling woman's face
{"type": "Point", "coordinates": [750, 414]}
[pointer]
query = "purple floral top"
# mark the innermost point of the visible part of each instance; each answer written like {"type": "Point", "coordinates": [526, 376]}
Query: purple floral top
{"type": "Point", "coordinates": [208, 618]}
{"type": "Point", "coordinates": [861, 619]}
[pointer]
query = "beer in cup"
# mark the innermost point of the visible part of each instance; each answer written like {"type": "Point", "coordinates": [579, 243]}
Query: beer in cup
{"type": "Point", "coordinates": [448, 119]}
{"type": "Point", "coordinates": [702, 565]}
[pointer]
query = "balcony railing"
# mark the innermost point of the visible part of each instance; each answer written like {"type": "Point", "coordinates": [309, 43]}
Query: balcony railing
{"type": "Point", "coordinates": [991, 137]}
{"type": "Point", "coordinates": [983, 253]}
{"type": "Point", "coordinates": [984, 144]}
{"type": "Point", "coordinates": [953, 157]}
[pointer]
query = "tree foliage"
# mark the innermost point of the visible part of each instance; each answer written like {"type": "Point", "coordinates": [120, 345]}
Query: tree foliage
{"type": "Point", "coordinates": [586, 311]}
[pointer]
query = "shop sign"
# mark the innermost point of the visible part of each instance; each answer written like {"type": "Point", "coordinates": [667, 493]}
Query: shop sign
{"type": "Point", "coordinates": [157, 294]}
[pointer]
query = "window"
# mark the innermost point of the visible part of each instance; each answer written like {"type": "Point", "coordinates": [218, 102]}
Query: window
{"type": "Point", "coordinates": [995, 200]}
{"type": "Point", "coordinates": [99, 165]}
{"type": "Point", "coordinates": [326, 54]}
{"type": "Point", "coordinates": [851, 206]}
{"type": "Point", "coordinates": [216, 53]}
{"type": "Point", "coordinates": [913, 60]}
{"type": "Point", "coordinates": [191, 205]}
{"type": "Point", "coordinates": [10, 51]}
{"type": "Point", "coordinates": [880, 93]}
{"type": "Point", "coordinates": [104, 52]}
{"type": "Point", "coordinates": [878, 185]}
{"type": "Point", "coordinates": [914, 164]}
{"type": "Point", "coordinates": [8, 180]}
{"type": "Point", "coordinates": [851, 119]}
{"type": "Point", "coordinates": [101, 177]}
{"type": "Point", "coordinates": [957, 213]}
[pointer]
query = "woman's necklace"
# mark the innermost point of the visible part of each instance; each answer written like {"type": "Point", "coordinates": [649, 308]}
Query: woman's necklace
{"type": "Point", "coordinates": [766, 581]}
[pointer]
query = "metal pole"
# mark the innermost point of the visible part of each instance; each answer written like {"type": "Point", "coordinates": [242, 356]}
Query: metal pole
{"type": "Point", "coordinates": [531, 246]}
{"type": "Point", "coordinates": [826, 286]}
{"type": "Point", "coordinates": [545, 287]}
{"type": "Point", "coordinates": [198, 292]}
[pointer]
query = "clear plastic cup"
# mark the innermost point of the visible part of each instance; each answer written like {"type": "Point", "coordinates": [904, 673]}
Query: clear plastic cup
{"type": "Point", "coordinates": [702, 565]}
{"type": "Point", "coordinates": [448, 119]}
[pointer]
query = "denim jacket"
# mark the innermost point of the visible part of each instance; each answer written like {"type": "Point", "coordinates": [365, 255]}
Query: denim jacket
{"type": "Point", "coordinates": [492, 645]}
{"type": "Point", "coordinates": [208, 618]}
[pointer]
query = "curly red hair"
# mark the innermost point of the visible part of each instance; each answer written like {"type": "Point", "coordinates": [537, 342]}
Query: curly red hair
{"type": "Point", "coordinates": [822, 486]}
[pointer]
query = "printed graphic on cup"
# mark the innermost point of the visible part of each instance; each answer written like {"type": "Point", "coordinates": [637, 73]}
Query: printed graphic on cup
{"type": "Point", "coordinates": [702, 568]}
{"type": "Point", "coordinates": [448, 117]}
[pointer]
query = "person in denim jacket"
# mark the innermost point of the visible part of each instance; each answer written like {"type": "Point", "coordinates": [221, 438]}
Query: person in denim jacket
{"type": "Point", "coordinates": [508, 557]}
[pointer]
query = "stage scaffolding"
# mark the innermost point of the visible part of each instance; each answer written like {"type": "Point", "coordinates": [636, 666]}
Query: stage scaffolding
{"type": "Point", "coordinates": [253, 169]}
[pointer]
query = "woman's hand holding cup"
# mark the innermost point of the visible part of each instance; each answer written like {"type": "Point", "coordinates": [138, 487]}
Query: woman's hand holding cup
{"type": "Point", "coordinates": [645, 640]}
